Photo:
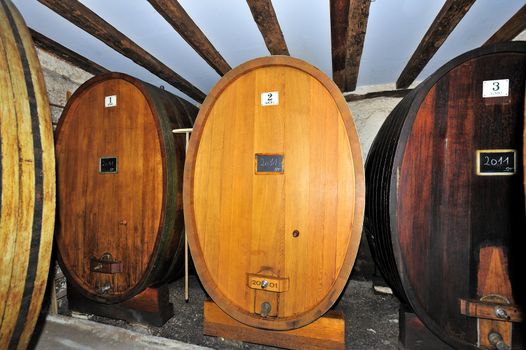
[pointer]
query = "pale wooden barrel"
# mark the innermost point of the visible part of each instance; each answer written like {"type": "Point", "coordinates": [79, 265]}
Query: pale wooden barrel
{"type": "Point", "coordinates": [274, 193]}
{"type": "Point", "coordinates": [27, 209]}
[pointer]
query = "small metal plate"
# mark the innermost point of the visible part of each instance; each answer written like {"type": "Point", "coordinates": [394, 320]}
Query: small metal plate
{"type": "Point", "coordinates": [108, 165]}
{"type": "Point", "coordinates": [496, 162]}
{"type": "Point", "coordinates": [269, 163]}
{"type": "Point", "coordinates": [268, 283]}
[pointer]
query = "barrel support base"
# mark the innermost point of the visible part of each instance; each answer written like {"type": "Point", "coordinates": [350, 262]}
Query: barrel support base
{"type": "Point", "coordinates": [414, 335]}
{"type": "Point", "coordinates": [150, 307]}
{"type": "Point", "coordinates": [327, 332]}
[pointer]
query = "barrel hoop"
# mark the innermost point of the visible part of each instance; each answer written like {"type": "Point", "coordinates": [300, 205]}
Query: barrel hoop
{"type": "Point", "coordinates": [39, 187]}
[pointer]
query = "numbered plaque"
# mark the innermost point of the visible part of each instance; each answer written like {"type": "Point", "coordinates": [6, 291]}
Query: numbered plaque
{"type": "Point", "coordinates": [496, 162]}
{"type": "Point", "coordinates": [495, 88]}
{"type": "Point", "coordinates": [110, 101]}
{"type": "Point", "coordinates": [108, 165]}
{"type": "Point", "coordinates": [270, 98]}
{"type": "Point", "coordinates": [269, 163]}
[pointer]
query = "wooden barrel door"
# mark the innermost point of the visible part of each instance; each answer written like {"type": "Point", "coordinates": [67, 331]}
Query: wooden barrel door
{"type": "Point", "coordinates": [27, 204]}
{"type": "Point", "coordinates": [274, 192]}
{"type": "Point", "coordinates": [120, 173]}
{"type": "Point", "coordinates": [445, 206]}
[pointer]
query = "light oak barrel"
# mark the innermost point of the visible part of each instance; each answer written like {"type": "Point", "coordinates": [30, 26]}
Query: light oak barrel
{"type": "Point", "coordinates": [296, 226]}
{"type": "Point", "coordinates": [435, 220]}
{"type": "Point", "coordinates": [27, 199]}
{"type": "Point", "coordinates": [120, 227]}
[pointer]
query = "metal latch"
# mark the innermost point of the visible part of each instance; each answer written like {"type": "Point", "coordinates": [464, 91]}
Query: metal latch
{"type": "Point", "coordinates": [105, 264]}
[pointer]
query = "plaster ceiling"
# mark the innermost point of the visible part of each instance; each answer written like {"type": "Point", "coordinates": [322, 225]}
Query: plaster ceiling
{"type": "Point", "coordinates": [394, 30]}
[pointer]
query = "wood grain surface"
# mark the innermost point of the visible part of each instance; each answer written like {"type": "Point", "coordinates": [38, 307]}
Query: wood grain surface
{"type": "Point", "coordinates": [240, 222]}
{"type": "Point", "coordinates": [28, 182]}
{"type": "Point", "coordinates": [429, 215]}
{"type": "Point", "coordinates": [135, 214]}
{"type": "Point", "coordinates": [327, 332]}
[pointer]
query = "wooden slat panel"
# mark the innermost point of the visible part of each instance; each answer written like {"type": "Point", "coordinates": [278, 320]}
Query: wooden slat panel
{"type": "Point", "coordinates": [66, 54]}
{"type": "Point", "coordinates": [268, 25]}
{"type": "Point", "coordinates": [84, 18]}
{"type": "Point", "coordinates": [175, 14]}
{"type": "Point", "coordinates": [446, 20]}
{"type": "Point", "coordinates": [510, 29]}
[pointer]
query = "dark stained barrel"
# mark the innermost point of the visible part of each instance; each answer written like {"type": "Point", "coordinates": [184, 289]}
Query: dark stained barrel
{"type": "Point", "coordinates": [27, 179]}
{"type": "Point", "coordinates": [444, 204]}
{"type": "Point", "coordinates": [120, 171]}
{"type": "Point", "coordinates": [274, 193]}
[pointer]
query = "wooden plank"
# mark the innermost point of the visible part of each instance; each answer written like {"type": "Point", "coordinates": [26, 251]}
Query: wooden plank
{"type": "Point", "coordinates": [388, 93]}
{"type": "Point", "coordinates": [339, 22]}
{"type": "Point", "coordinates": [327, 332]}
{"type": "Point", "coordinates": [447, 19]}
{"type": "Point", "coordinates": [353, 35]}
{"type": "Point", "coordinates": [265, 17]}
{"type": "Point", "coordinates": [175, 14]}
{"type": "Point", "coordinates": [65, 54]}
{"type": "Point", "coordinates": [513, 27]}
{"type": "Point", "coordinates": [84, 18]}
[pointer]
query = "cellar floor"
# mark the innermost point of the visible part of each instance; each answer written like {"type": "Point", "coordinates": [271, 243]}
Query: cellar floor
{"type": "Point", "coordinates": [371, 319]}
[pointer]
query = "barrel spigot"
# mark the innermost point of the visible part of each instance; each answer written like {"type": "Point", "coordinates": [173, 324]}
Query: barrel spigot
{"type": "Point", "coordinates": [496, 340]}
{"type": "Point", "coordinates": [105, 289]}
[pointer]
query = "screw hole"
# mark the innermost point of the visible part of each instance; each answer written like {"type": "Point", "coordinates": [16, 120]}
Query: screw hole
{"type": "Point", "coordinates": [295, 233]}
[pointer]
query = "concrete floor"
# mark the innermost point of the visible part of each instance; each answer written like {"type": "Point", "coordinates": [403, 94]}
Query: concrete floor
{"type": "Point", "coordinates": [371, 323]}
{"type": "Point", "coordinates": [63, 332]}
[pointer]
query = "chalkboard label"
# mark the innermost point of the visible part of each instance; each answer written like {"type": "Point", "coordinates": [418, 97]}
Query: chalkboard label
{"type": "Point", "coordinates": [108, 165]}
{"type": "Point", "coordinates": [496, 162]}
{"type": "Point", "coordinates": [269, 164]}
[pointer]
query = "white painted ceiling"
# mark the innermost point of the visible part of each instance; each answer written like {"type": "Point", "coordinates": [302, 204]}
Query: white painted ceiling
{"type": "Point", "coordinates": [394, 30]}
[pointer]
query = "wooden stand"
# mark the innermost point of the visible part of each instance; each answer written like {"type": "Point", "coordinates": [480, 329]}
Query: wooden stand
{"type": "Point", "coordinates": [327, 332]}
{"type": "Point", "coordinates": [151, 306]}
{"type": "Point", "coordinates": [414, 335]}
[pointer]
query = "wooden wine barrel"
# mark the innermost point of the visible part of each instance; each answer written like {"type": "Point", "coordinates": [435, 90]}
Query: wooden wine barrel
{"type": "Point", "coordinates": [27, 195]}
{"type": "Point", "coordinates": [274, 193]}
{"type": "Point", "coordinates": [445, 213]}
{"type": "Point", "coordinates": [120, 171]}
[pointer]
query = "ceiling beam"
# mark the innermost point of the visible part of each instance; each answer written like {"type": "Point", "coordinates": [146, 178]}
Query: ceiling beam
{"type": "Point", "coordinates": [348, 26]}
{"type": "Point", "coordinates": [84, 18]}
{"type": "Point", "coordinates": [510, 29]}
{"type": "Point", "coordinates": [375, 94]}
{"type": "Point", "coordinates": [177, 17]}
{"type": "Point", "coordinates": [62, 52]}
{"type": "Point", "coordinates": [447, 19]}
{"type": "Point", "coordinates": [265, 17]}
{"type": "Point", "coordinates": [339, 22]}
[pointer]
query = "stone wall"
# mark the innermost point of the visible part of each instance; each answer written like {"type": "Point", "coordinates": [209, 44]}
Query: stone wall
{"type": "Point", "coordinates": [61, 77]}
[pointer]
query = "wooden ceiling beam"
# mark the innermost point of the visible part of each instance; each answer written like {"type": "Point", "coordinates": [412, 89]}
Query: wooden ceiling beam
{"type": "Point", "coordinates": [513, 27]}
{"type": "Point", "coordinates": [265, 17]}
{"type": "Point", "coordinates": [339, 22]}
{"type": "Point", "coordinates": [177, 17]}
{"type": "Point", "coordinates": [375, 94]}
{"type": "Point", "coordinates": [348, 27]}
{"type": "Point", "coordinates": [62, 52]}
{"type": "Point", "coordinates": [447, 19]}
{"type": "Point", "coordinates": [84, 18]}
